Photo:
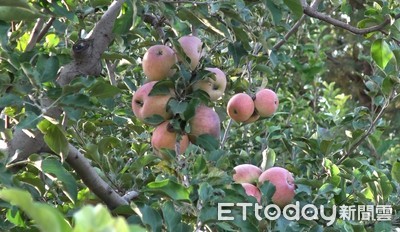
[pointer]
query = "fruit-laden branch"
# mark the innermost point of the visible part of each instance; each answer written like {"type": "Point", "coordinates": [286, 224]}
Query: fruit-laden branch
{"type": "Point", "coordinates": [315, 14]}
{"type": "Point", "coordinates": [87, 53]}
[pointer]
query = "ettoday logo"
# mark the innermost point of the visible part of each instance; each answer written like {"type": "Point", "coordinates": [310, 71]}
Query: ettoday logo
{"type": "Point", "coordinates": [295, 212]}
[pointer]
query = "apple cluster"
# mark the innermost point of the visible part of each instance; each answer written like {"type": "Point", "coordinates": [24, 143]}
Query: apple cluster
{"type": "Point", "coordinates": [244, 108]}
{"type": "Point", "coordinates": [249, 176]}
{"type": "Point", "coordinates": [160, 62]}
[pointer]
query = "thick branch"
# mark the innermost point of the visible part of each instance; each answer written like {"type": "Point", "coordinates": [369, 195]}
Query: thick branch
{"type": "Point", "coordinates": [326, 18]}
{"type": "Point", "coordinates": [93, 181]}
{"type": "Point", "coordinates": [86, 62]}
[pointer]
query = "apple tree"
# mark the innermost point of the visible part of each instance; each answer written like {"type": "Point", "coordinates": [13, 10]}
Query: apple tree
{"type": "Point", "coordinates": [146, 115]}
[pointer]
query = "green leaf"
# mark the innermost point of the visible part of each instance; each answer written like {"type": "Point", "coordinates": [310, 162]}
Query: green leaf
{"type": "Point", "coordinates": [170, 188]}
{"type": "Point", "coordinates": [103, 90]}
{"type": "Point", "coordinates": [47, 218]}
{"type": "Point", "coordinates": [53, 166]}
{"type": "Point", "coordinates": [177, 107]}
{"type": "Point", "coordinates": [295, 7]}
{"type": "Point", "coordinates": [47, 67]}
{"type": "Point", "coordinates": [396, 172]}
{"type": "Point", "coordinates": [150, 217]}
{"type": "Point", "coordinates": [124, 22]}
{"type": "Point", "coordinates": [275, 11]}
{"type": "Point", "coordinates": [269, 157]}
{"type": "Point", "coordinates": [10, 13]}
{"type": "Point", "coordinates": [173, 219]}
{"type": "Point", "coordinates": [237, 51]}
{"type": "Point", "coordinates": [381, 53]}
{"type": "Point", "coordinates": [54, 137]}
{"type": "Point", "coordinates": [208, 142]}
{"type": "Point", "coordinates": [162, 88]}
{"type": "Point", "coordinates": [98, 218]}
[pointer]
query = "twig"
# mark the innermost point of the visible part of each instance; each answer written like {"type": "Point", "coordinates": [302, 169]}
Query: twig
{"type": "Point", "coordinates": [111, 72]}
{"type": "Point", "coordinates": [45, 29]}
{"type": "Point", "coordinates": [35, 34]}
{"type": "Point", "coordinates": [368, 132]}
{"type": "Point", "coordinates": [228, 127]}
{"type": "Point", "coordinates": [157, 23]}
{"type": "Point", "coordinates": [326, 18]}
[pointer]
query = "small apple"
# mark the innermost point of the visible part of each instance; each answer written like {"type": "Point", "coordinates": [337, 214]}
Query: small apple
{"type": "Point", "coordinates": [164, 136]}
{"type": "Point", "coordinates": [214, 86]}
{"type": "Point", "coordinates": [145, 106]}
{"type": "Point", "coordinates": [246, 173]}
{"type": "Point", "coordinates": [284, 184]}
{"type": "Point", "coordinates": [192, 46]}
{"type": "Point", "coordinates": [158, 62]}
{"type": "Point", "coordinates": [204, 121]}
{"type": "Point", "coordinates": [240, 107]}
{"type": "Point", "coordinates": [252, 190]}
{"type": "Point", "coordinates": [254, 117]}
{"type": "Point", "coordinates": [266, 102]}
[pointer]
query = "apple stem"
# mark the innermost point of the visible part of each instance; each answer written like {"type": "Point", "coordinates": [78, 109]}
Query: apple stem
{"type": "Point", "coordinates": [226, 133]}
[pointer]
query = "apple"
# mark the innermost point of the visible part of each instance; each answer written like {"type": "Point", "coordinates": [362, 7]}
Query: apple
{"type": "Point", "coordinates": [283, 181]}
{"type": "Point", "coordinates": [204, 121]}
{"type": "Point", "coordinates": [192, 46]}
{"type": "Point", "coordinates": [158, 62]}
{"type": "Point", "coordinates": [254, 117]}
{"type": "Point", "coordinates": [145, 106]}
{"type": "Point", "coordinates": [240, 107]}
{"type": "Point", "coordinates": [214, 86]}
{"type": "Point", "coordinates": [266, 102]}
{"type": "Point", "coordinates": [246, 173]}
{"type": "Point", "coordinates": [164, 136]}
{"type": "Point", "coordinates": [252, 190]}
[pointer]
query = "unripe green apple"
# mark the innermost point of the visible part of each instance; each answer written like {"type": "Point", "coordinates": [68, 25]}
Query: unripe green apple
{"type": "Point", "coordinates": [240, 107]}
{"type": "Point", "coordinates": [266, 102]}
{"type": "Point", "coordinates": [214, 86]}
{"type": "Point", "coordinates": [283, 181]}
{"type": "Point", "coordinates": [204, 121]}
{"type": "Point", "coordinates": [246, 173]}
{"type": "Point", "coordinates": [145, 106]}
{"type": "Point", "coordinates": [252, 190]}
{"type": "Point", "coordinates": [164, 136]}
{"type": "Point", "coordinates": [192, 46]}
{"type": "Point", "coordinates": [158, 62]}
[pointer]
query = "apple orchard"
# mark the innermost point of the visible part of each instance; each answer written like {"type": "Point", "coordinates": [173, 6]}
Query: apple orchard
{"type": "Point", "coordinates": [132, 115]}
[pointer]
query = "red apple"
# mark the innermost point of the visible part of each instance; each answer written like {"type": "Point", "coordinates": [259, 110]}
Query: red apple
{"type": "Point", "coordinates": [246, 173]}
{"type": "Point", "coordinates": [192, 46]}
{"type": "Point", "coordinates": [214, 86]}
{"type": "Point", "coordinates": [164, 136]}
{"type": "Point", "coordinates": [145, 106]}
{"type": "Point", "coordinates": [240, 107]}
{"type": "Point", "coordinates": [284, 184]}
{"type": "Point", "coordinates": [266, 102]}
{"type": "Point", "coordinates": [204, 121]}
{"type": "Point", "coordinates": [158, 62]}
{"type": "Point", "coordinates": [252, 190]}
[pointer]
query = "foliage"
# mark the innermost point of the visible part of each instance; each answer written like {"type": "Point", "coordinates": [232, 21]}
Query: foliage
{"type": "Point", "coordinates": [336, 128]}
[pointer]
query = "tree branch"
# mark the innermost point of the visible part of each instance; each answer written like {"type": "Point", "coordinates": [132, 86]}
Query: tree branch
{"type": "Point", "coordinates": [369, 131]}
{"type": "Point", "coordinates": [326, 18]}
{"type": "Point", "coordinates": [314, 5]}
{"type": "Point", "coordinates": [87, 54]}
{"type": "Point", "coordinates": [34, 34]}
{"type": "Point", "coordinates": [93, 181]}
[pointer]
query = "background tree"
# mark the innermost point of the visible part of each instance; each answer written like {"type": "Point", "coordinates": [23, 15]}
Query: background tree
{"type": "Point", "coordinates": [68, 70]}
